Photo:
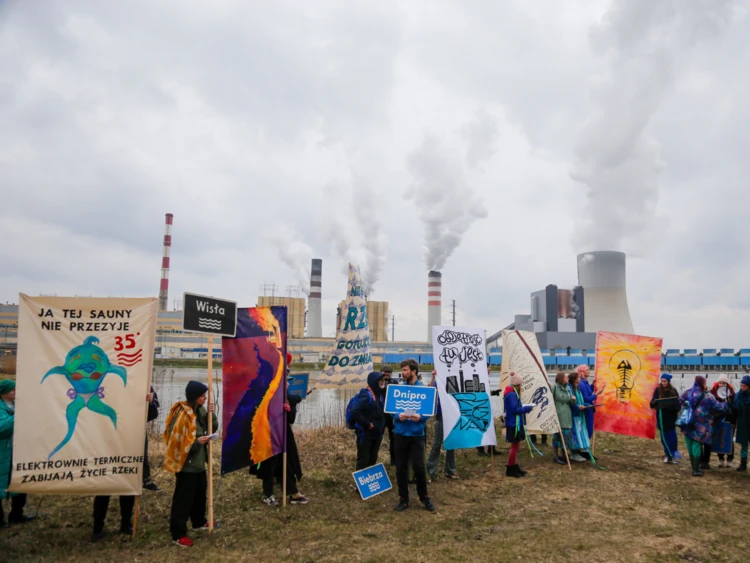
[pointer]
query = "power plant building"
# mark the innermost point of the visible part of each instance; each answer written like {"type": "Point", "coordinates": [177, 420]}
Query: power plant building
{"type": "Point", "coordinates": [295, 313]}
{"type": "Point", "coordinates": [377, 316]}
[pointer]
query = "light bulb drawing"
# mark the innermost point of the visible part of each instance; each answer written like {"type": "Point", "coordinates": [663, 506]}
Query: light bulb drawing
{"type": "Point", "coordinates": [624, 367]}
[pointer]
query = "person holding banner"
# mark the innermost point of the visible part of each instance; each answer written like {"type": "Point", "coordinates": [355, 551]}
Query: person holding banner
{"type": "Point", "coordinates": [741, 409]}
{"type": "Point", "coordinates": [186, 436]}
{"type": "Point", "coordinates": [563, 398]}
{"type": "Point", "coordinates": [581, 442]}
{"type": "Point", "coordinates": [515, 421]}
{"type": "Point", "coordinates": [7, 421]}
{"type": "Point", "coordinates": [410, 446]}
{"type": "Point", "coordinates": [705, 408]}
{"type": "Point", "coordinates": [589, 397]}
{"type": "Point", "coordinates": [666, 402]}
{"type": "Point", "coordinates": [370, 422]}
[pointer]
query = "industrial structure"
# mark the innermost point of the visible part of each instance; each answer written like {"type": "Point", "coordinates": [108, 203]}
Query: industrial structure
{"type": "Point", "coordinates": [434, 301]}
{"type": "Point", "coordinates": [314, 317]}
{"type": "Point", "coordinates": [377, 316]}
{"type": "Point", "coordinates": [164, 285]}
{"type": "Point", "coordinates": [295, 316]}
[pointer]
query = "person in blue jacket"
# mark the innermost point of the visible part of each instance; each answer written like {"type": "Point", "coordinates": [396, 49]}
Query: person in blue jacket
{"type": "Point", "coordinates": [368, 414]}
{"type": "Point", "coordinates": [589, 397]}
{"type": "Point", "coordinates": [515, 421]}
{"type": "Point", "coordinates": [410, 445]}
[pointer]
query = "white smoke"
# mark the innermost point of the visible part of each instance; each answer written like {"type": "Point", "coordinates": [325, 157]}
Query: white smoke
{"type": "Point", "coordinates": [645, 42]}
{"type": "Point", "coordinates": [296, 254]}
{"type": "Point", "coordinates": [374, 240]}
{"type": "Point", "coordinates": [481, 135]}
{"type": "Point", "coordinates": [446, 204]}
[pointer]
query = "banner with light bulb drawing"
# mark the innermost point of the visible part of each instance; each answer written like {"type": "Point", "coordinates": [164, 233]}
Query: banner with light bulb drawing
{"type": "Point", "coordinates": [628, 368]}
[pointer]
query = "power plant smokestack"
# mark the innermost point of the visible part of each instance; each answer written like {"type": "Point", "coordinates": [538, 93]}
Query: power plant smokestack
{"type": "Point", "coordinates": [314, 319]}
{"type": "Point", "coordinates": [434, 301]}
{"type": "Point", "coordinates": [164, 285]}
{"type": "Point", "coordinates": [601, 274]}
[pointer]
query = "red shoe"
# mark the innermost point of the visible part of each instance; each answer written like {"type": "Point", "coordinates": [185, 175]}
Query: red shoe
{"type": "Point", "coordinates": [184, 542]}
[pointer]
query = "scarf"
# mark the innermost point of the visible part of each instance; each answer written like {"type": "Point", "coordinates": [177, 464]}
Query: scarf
{"type": "Point", "coordinates": [667, 393]}
{"type": "Point", "coordinates": [182, 437]}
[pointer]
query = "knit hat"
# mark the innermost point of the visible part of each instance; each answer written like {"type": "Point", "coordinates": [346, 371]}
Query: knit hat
{"type": "Point", "coordinates": [6, 386]}
{"type": "Point", "coordinates": [667, 376]}
{"type": "Point", "coordinates": [515, 379]}
{"type": "Point", "coordinates": [746, 380]}
{"type": "Point", "coordinates": [580, 370]}
{"type": "Point", "coordinates": [194, 390]}
{"type": "Point", "coordinates": [700, 381]}
{"type": "Point", "coordinates": [723, 378]}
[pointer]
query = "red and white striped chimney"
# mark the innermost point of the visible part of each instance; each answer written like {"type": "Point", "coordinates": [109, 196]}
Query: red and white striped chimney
{"type": "Point", "coordinates": [434, 301]}
{"type": "Point", "coordinates": [164, 285]}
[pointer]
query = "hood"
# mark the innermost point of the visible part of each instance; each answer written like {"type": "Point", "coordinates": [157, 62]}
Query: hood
{"type": "Point", "coordinates": [372, 381]}
{"type": "Point", "coordinates": [716, 386]}
{"type": "Point", "coordinates": [508, 389]}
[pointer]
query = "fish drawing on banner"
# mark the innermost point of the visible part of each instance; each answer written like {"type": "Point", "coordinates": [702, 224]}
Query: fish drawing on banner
{"type": "Point", "coordinates": [463, 386]}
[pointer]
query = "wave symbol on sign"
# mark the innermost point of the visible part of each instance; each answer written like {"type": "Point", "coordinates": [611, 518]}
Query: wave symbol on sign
{"type": "Point", "coordinates": [408, 405]}
{"type": "Point", "coordinates": [208, 323]}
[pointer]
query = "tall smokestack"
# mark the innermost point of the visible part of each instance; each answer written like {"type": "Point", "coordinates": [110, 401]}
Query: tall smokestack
{"type": "Point", "coordinates": [164, 285]}
{"type": "Point", "coordinates": [601, 274]}
{"type": "Point", "coordinates": [314, 319]}
{"type": "Point", "coordinates": [434, 301]}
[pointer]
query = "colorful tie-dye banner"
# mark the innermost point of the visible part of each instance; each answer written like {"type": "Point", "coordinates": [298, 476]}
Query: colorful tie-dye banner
{"type": "Point", "coordinates": [351, 359]}
{"type": "Point", "coordinates": [463, 387]}
{"type": "Point", "coordinates": [254, 379]}
{"type": "Point", "coordinates": [628, 368]}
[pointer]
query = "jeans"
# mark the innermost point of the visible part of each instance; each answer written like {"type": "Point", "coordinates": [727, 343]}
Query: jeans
{"type": "Point", "coordinates": [410, 448]}
{"type": "Point", "coordinates": [367, 452]}
{"type": "Point", "coordinates": [434, 458]}
{"type": "Point", "coordinates": [188, 502]}
{"type": "Point", "coordinates": [101, 504]}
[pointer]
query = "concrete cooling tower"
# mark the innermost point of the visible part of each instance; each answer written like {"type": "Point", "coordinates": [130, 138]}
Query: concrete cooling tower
{"type": "Point", "coordinates": [601, 274]}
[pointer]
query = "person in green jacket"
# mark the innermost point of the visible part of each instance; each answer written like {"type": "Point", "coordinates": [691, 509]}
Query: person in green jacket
{"type": "Point", "coordinates": [187, 455]}
{"type": "Point", "coordinates": [7, 418]}
{"type": "Point", "coordinates": [563, 400]}
{"type": "Point", "coordinates": [741, 408]}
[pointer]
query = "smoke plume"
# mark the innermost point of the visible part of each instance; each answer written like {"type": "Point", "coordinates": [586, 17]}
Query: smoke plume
{"type": "Point", "coordinates": [645, 43]}
{"type": "Point", "coordinates": [481, 135]}
{"type": "Point", "coordinates": [296, 254]}
{"type": "Point", "coordinates": [373, 239]}
{"type": "Point", "coordinates": [447, 205]}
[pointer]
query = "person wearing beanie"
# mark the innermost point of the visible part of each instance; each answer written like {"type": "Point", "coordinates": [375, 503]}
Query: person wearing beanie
{"type": "Point", "coordinates": [7, 419]}
{"type": "Point", "coordinates": [186, 436]}
{"type": "Point", "coordinates": [515, 421]}
{"type": "Point", "coordinates": [387, 375]}
{"type": "Point", "coordinates": [723, 392]}
{"type": "Point", "coordinates": [741, 411]}
{"type": "Point", "coordinates": [369, 420]}
{"type": "Point", "coordinates": [666, 402]}
{"type": "Point", "coordinates": [705, 408]}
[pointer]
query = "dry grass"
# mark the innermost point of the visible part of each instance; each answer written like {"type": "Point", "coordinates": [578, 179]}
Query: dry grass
{"type": "Point", "coordinates": [637, 510]}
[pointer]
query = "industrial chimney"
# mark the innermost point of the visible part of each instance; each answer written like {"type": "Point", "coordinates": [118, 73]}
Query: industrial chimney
{"type": "Point", "coordinates": [601, 274]}
{"type": "Point", "coordinates": [164, 285]}
{"type": "Point", "coordinates": [314, 319]}
{"type": "Point", "coordinates": [434, 301]}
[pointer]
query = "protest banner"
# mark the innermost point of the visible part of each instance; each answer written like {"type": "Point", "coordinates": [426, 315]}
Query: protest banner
{"type": "Point", "coordinates": [629, 366]}
{"type": "Point", "coordinates": [297, 385]}
{"type": "Point", "coordinates": [521, 354]}
{"type": "Point", "coordinates": [84, 370]}
{"type": "Point", "coordinates": [351, 360]}
{"type": "Point", "coordinates": [414, 399]}
{"type": "Point", "coordinates": [464, 387]}
{"type": "Point", "coordinates": [372, 481]}
{"type": "Point", "coordinates": [253, 374]}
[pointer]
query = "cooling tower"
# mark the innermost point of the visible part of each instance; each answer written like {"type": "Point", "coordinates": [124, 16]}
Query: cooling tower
{"type": "Point", "coordinates": [434, 301]}
{"type": "Point", "coordinates": [314, 319]}
{"type": "Point", "coordinates": [601, 274]}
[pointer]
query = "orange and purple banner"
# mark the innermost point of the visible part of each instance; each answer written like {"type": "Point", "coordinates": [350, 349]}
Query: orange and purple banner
{"type": "Point", "coordinates": [254, 379]}
{"type": "Point", "coordinates": [628, 368]}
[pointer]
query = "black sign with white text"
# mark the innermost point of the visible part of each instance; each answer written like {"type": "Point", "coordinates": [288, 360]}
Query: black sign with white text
{"type": "Point", "coordinates": [209, 315]}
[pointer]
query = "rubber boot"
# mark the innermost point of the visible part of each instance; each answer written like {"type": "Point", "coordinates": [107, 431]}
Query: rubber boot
{"type": "Point", "coordinates": [512, 471]}
{"type": "Point", "coordinates": [521, 472]}
{"type": "Point", "coordinates": [743, 465]}
{"type": "Point", "coordinates": [695, 464]}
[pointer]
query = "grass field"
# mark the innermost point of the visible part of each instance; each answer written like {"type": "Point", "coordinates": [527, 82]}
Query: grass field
{"type": "Point", "coordinates": [637, 510]}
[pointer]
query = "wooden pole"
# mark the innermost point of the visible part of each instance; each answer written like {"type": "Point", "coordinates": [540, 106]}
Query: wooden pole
{"type": "Point", "coordinates": [562, 439]}
{"type": "Point", "coordinates": [135, 515]}
{"type": "Point", "coordinates": [210, 431]}
{"type": "Point", "coordinates": [492, 459]}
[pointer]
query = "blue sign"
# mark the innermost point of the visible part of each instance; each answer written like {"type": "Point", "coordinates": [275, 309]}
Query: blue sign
{"type": "Point", "coordinates": [722, 440]}
{"type": "Point", "coordinates": [297, 384]}
{"type": "Point", "coordinates": [372, 481]}
{"type": "Point", "coordinates": [416, 399]}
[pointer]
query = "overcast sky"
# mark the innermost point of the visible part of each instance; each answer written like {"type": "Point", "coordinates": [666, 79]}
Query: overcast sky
{"type": "Point", "coordinates": [515, 134]}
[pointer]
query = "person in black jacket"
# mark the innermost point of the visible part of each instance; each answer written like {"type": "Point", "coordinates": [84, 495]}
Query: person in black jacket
{"type": "Point", "coordinates": [666, 401]}
{"type": "Point", "coordinates": [388, 373]}
{"type": "Point", "coordinates": [153, 414]}
{"type": "Point", "coordinates": [370, 420]}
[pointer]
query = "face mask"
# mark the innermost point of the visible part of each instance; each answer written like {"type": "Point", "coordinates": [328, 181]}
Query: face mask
{"type": "Point", "coordinates": [381, 383]}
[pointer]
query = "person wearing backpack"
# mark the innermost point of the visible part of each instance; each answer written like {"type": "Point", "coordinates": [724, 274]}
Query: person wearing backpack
{"type": "Point", "coordinates": [699, 429]}
{"type": "Point", "coordinates": [369, 421]}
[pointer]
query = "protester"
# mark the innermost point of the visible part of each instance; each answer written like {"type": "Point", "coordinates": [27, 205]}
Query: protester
{"type": "Point", "coordinates": [723, 392]}
{"type": "Point", "coordinates": [410, 445]}
{"type": "Point", "coordinates": [666, 402]}
{"type": "Point", "coordinates": [153, 414]}
{"type": "Point", "coordinates": [515, 421]}
{"type": "Point", "coordinates": [7, 419]}
{"type": "Point", "coordinates": [437, 443]}
{"type": "Point", "coordinates": [705, 408]}
{"type": "Point", "coordinates": [563, 397]}
{"type": "Point", "coordinates": [370, 421]}
{"type": "Point", "coordinates": [741, 410]}
{"type": "Point", "coordinates": [581, 442]}
{"type": "Point", "coordinates": [589, 397]}
{"type": "Point", "coordinates": [387, 373]}
{"type": "Point", "coordinates": [186, 436]}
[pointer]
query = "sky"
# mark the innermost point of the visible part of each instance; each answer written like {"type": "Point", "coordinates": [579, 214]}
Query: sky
{"type": "Point", "coordinates": [493, 141]}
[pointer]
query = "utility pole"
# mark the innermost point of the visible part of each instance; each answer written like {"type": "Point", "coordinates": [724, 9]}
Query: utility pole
{"type": "Point", "coordinates": [454, 312]}
{"type": "Point", "coordinates": [393, 328]}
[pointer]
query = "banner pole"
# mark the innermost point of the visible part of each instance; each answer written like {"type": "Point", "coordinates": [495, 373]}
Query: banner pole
{"type": "Point", "coordinates": [492, 459]}
{"type": "Point", "coordinates": [210, 431]}
{"type": "Point", "coordinates": [135, 516]}
{"type": "Point", "coordinates": [562, 439]}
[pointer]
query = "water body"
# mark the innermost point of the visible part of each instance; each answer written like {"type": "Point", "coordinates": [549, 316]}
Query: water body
{"type": "Point", "coordinates": [326, 407]}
